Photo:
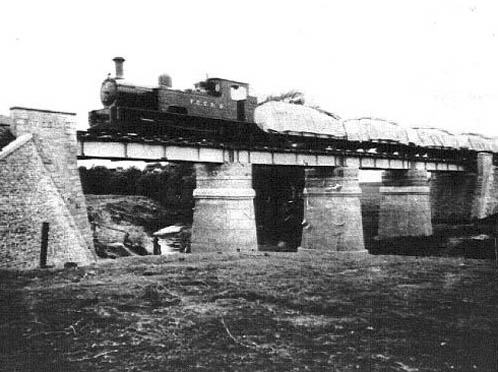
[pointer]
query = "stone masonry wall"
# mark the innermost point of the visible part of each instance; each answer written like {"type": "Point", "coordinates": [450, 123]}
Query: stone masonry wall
{"type": "Point", "coordinates": [54, 134]}
{"type": "Point", "coordinates": [29, 197]}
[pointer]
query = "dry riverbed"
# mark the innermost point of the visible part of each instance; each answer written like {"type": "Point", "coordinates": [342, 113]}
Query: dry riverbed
{"type": "Point", "coordinates": [304, 311]}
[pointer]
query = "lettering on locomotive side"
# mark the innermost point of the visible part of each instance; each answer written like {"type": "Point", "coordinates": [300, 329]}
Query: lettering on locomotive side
{"type": "Point", "coordinates": [199, 102]}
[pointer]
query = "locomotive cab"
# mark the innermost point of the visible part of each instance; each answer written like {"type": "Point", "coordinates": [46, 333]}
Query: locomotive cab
{"type": "Point", "coordinates": [211, 88]}
{"type": "Point", "coordinates": [234, 94]}
{"type": "Point", "coordinates": [229, 89]}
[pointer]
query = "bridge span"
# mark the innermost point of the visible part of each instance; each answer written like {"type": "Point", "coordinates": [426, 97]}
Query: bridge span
{"type": "Point", "coordinates": [137, 148]}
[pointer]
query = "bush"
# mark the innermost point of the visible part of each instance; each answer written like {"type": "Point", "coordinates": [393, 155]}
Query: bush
{"type": "Point", "coordinates": [171, 184]}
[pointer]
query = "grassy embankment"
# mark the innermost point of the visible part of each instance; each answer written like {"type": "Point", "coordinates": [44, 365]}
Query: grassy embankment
{"type": "Point", "coordinates": [304, 311]}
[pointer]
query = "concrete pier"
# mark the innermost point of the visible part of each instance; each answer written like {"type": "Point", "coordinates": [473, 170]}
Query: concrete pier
{"type": "Point", "coordinates": [332, 211]}
{"type": "Point", "coordinates": [224, 209]}
{"type": "Point", "coordinates": [405, 207]}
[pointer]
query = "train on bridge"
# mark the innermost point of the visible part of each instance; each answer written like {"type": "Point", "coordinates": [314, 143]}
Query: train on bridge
{"type": "Point", "coordinates": [222, 111]}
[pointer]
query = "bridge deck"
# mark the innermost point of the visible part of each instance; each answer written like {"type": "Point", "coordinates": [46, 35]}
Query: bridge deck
{"type": "Point", "coordinates": [140, 149]}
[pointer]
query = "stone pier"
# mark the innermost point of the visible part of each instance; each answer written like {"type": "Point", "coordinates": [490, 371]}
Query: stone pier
{"type": "Point", "coordinates": [224, 209]}
{"type": "Point", "coordinates": [332, 211]}
{"type": "Point", "coordinates": [452, 196]}
{"type": "Point", "coordinates": [485, 198]}
{"type": "Point", "coordinates": [405, 206]}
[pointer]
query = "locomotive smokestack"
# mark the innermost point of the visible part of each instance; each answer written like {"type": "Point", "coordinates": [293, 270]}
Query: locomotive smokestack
{"type": "Point", "coordinates": [119, 67]}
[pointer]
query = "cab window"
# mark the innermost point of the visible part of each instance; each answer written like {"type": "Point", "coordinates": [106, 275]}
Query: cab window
{"type": "Point", "coordinates": [214, 88]}
{"type": "Point", "coordinates": [238, 93]}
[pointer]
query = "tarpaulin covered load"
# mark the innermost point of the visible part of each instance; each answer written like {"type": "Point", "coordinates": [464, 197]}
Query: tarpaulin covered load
{"type": "Point", "coordinates": [475, 142]}
{"type": "Point", "coordinates": [295, 119]}
{"type": "Point", "coordinates": [433, 138]}
{"type": "Point", "coordinates": [301, 120]}
{"type": "Point", "coordinates": [375, 130]}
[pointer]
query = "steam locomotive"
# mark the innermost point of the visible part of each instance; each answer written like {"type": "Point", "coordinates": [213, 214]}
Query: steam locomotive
{"type": "Point", "coordinates": [215, 106]}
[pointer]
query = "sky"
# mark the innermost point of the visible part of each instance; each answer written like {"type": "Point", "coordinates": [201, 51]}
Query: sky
{"type": "Point", "coordinates": [419, 63]}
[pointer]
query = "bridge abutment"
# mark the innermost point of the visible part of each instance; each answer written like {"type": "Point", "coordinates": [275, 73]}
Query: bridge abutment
{"type": "Point", "coordinates": [54, 134]}
{"type": "Point", "coordinates": [332, 211]}
{"type": "Point", "coordinates": [40, 186]}
{"type": "Point", "coordinates": [405, 207]}
{"type": "Point", "coordinates": [224, 208]}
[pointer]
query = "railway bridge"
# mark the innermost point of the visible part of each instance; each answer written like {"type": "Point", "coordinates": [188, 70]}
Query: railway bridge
{"type": "Point", "coordinates": [461, 187]}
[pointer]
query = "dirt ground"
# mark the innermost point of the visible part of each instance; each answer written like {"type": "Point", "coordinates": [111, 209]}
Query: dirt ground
{"type": "Point", "coordinates": [259, 311]}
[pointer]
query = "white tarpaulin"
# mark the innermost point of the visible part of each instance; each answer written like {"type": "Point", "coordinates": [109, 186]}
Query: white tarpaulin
{"type": "Point", "coordinates": [375, 130]}
{"type": "Point", "coordinates": [434, 137]}
{"type": "Point", "coordinates": [294, 119]}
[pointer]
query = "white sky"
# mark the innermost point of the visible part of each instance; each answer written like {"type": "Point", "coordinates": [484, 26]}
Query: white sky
{"type": "Point", "coordinates": [415, 62]}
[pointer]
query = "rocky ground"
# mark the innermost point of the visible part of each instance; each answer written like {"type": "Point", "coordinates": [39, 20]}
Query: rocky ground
{"type": "Point", "coordinates": [257, 311]}
{"type": "Point", "coordinates": [139, 217]}
{"type": "Point", "coordinates": [116, 215]}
